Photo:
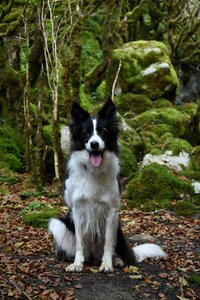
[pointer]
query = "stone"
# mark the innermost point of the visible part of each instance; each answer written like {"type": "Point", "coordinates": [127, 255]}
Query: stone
{"type": "Point", "coordinates": [146, 69]}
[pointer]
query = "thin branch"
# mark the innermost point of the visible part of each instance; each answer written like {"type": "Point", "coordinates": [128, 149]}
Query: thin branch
{"type": "Point", "coordinates": [13, 283]}
{"type": "Point", "coordinates": [115, 81]}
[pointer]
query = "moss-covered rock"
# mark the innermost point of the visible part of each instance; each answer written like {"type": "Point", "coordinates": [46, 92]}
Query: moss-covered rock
{"type": "Point", "coordinates": [185, 208]}
{"type": "Point", "coordinates": [196, 157]}
{"type": "Point", "coordinates": [145, 69]}
{"type": "Point", "coordinates": [162, 103]}
{"type": "Point", "coordinates": [128, 162]}
{"type": "Point", "coordinates": [134, 143]}
{"type": "Point", "coordinates": [132, 103]}
{"type": "Point", "coordinates": [188, 108]}
{"type": "Point", "coordinates": [154, 187]}
{"type": "Point", "coordinates": [37, 214]}
{"type": "Point", "coordinates": [176, 145]}
{"type": "Point", "coordinates": [148, 120]}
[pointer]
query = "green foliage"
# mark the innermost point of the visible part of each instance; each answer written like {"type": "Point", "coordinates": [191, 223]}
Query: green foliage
{"type": "Point", "coordinates": [9, 179]}
{"type": "Point", "coordinates": [29, 194]}
{"type": "Point", "coordinates": [47, 134]}
{"type": "Point", "coordinates": [154, 187]}
{"type": "Point", "coordinates": [37, 214]}
{"type": "Point", "coordinates": [35, 205]}
{"type": "Point", "coordinates": [11, 149]}
{"type": "Point", "coordinates": [185, 208]}
{"type": "Point", "coordinates": [195, 278]}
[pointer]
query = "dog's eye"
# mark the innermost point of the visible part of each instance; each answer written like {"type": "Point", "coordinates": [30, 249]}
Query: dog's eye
{"type": "Point", "coordinates": [103, 130]}
{"type": "Point", "coordinates": [85, 132]}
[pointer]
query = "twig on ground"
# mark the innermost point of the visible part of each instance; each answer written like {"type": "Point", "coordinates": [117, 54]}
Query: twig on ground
{"type": "Point", "coordinates": [12, 282]}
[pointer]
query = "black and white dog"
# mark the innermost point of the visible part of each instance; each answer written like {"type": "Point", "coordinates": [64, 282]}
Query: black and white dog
{"type": "Point", "coordinates": [91, 228]}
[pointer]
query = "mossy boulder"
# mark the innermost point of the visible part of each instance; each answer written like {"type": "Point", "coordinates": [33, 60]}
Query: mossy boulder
{"type": "Point", "coordinates": [132, 103]}
{"type": "Point", "coordinates": [145, 69]}
{"type": "Point", "coordinates": [196, 157]}
{"type": "Point", "coordinates": [128, 162]}
{"type": "Point", "coordinates": [154, 187]}
{"type": "Point", "coordinates": [162, 103]}
{"type": "Point", "coordinates": [149, 120]}
{"type": "Point", "coordinates": [132, 143]}
{"type": "Point", "coordinates": [185, 207]}
{"type": "Point", "coordinates": [188, 108]}
{"type": "Point", "coordinates": [176, 145]}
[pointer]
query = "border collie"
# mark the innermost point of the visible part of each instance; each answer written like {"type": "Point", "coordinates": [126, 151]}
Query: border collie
{"type": "Point", "coordinates": [91, 229]}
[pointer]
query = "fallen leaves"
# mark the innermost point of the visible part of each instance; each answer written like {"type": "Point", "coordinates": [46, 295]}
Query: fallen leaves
{"type": "Point", "coordinates": [28, 268]}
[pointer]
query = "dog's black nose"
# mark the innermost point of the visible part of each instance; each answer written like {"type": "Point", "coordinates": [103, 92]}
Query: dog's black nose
{"type": "Point", "coordinates": [94, 145]}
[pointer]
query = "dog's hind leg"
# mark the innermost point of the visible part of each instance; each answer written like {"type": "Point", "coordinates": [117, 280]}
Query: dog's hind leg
{"type": "Point", "coordinates": [64, 239]}
{"type": "Point", "coordinates": [122, 248]}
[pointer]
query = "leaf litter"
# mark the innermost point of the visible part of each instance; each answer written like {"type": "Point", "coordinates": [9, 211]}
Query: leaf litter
{"type": "Point", "coordinates": [29, 270]}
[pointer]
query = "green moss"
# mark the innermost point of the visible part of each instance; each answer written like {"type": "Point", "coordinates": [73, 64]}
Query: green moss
{"type": "Point", "coordinates": [128, 163]}
{"type": "Point", "coordinates": [176, 145]}
{"type": "Point", "coordinates": [37, 214]}
{"type": "Point", "coordinates": [134, 103]}
{"type": "Point", "coordinates": [91, 50]}
{"type": "Point", "coordinates": [40, 218]}
{"type": "Point", "coordinates": [161, 129]}
{"type": "Point", "coordinates": [185, 208]}
{"type": "Point", "coordinates": [145, 69]}
{"type": "Point", "coordinates": [150, 119]}
{"type": "Point", "coordinates": [154, 187]}
{"type": "Point", "coordinates": [196, 156]}
{"type": "Point", "coordinates": [161, 103]}
{"type": "Point", "coordinates": [47, 134]}
{"type": "Point", "coordinates": [132, 141]}
{"type": "Point", "coordinates": [195, 278]}
{"type": "Point", "coordinates": [191, 174]}
{"type": "Point", "coordinates": [8, 178]}
{"type": "Point", "coordinates": [188, 108]}
{"type": "Point", "coordinates": [85, 99]}
{"type": "Point", "coordinates": [11, 149]}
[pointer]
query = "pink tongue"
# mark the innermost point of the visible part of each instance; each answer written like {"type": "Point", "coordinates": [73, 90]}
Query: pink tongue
{"type": "Point", "coordinates": [95, 159]}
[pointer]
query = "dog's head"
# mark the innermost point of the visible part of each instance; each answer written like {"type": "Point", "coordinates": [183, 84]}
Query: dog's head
{"type": "Point", "coordinates": [94, 134]}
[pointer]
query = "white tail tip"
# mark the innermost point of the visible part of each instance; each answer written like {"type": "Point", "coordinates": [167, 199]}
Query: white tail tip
{"type": "Point", "coordinates": [148, 250]}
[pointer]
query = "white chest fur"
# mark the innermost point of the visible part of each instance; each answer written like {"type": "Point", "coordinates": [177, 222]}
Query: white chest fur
{"type": "Point", "coordinates": [91, 192]}
{"type": "Point", "coordinates": [89, 184]}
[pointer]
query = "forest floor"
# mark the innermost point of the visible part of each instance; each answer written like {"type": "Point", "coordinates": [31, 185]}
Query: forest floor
{"type": "Point", "coordinates": [28, 269]}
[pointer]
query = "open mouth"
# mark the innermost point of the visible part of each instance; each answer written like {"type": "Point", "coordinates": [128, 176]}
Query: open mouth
{"type": "Point", "coordinates": [96, 158]}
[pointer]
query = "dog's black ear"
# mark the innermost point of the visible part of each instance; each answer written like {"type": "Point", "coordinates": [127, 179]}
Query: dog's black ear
{"type": "Point", "coordinates": [108, 110]}
{"type": "Point", "coordinates": [78, 114]}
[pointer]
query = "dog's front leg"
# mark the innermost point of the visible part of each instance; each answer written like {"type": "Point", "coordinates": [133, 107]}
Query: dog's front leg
{"type": "Point", "coordinates": [110, 240]}
{"type": "Point", "coordinates": [77, 265]}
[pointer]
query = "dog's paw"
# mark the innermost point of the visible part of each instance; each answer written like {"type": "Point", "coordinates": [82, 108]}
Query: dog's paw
{"type": "Point", "coordinates": [106, 268]}
{"type": "Point", "coordinates": [118, 263]}
{"type": "Point", "coordinates": [74, 268]}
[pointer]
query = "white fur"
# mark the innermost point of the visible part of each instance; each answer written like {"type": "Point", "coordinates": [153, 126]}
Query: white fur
{"type": "Point", "coordinates": [93, 185]}
{"type": "Point", "coordinates": [64, 239]}
{"type": "Point", "coordinates": [148, 250]}
{"type": "Point", "coordinates": [93, 195]}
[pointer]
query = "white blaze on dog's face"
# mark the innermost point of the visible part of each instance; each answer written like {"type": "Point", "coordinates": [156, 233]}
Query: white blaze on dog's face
{"type": "Point", "coordinates": [95, 146]}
